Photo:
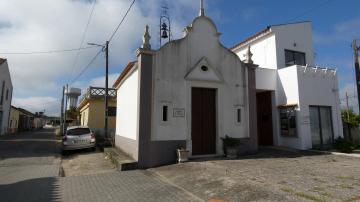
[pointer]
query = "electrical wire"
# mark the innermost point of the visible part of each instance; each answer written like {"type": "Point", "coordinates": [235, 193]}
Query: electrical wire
{"type": "Point", "coordinates": [85, 68]}
{"type": "Point", "coordinates": [46, 52]}
{"type": "Point", "coordinates": [122, 20]}
{"type": "Point", "coordinates": [83, 37]}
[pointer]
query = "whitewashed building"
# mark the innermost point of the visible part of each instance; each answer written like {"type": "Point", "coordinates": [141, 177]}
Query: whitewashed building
{"type": "Point", "coordinates": [298, 103]}
{"type": "Point", "coordinates": [190, 93]}
{"type": "Point", "coordinates": [6, 90]}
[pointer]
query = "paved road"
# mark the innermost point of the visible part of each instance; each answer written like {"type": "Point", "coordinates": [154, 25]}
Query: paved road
{"type": "Point", "coordinates": [29, 167]}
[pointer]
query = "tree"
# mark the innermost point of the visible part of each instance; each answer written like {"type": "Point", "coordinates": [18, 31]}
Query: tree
{"type": "Point", "coordinates": [350, 118]}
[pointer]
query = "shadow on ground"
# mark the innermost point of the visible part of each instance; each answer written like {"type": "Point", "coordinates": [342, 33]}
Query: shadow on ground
{"type": "Point", "coordinates": [39, 143]}
{"type": "Point", "coordinates": [40, 189]}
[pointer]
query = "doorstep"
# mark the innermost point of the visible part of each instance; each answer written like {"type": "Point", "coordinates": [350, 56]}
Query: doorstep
{"type": "Point", "coordinates": [207, 156]}
{"type": "Point", "coordinates": [122, 161]}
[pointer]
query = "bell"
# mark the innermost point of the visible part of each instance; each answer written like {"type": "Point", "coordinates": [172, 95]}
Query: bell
{"type": "Point", "coordinates": [164, 34]}
{"type": "Point", "coordinates": [164, 26]}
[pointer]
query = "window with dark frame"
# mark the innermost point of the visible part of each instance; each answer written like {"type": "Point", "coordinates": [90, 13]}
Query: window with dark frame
{"type": "Point", "coordinates": [294, 58]}
{"type": "Point", "coordinates": [2, 93]}
{"type": "Point", "coordinates": [238, 115]}
{"type": "Point", "coordinates": [165, 113]}
{"type": "Point", "coordinates": [111, 111]}
{"type": "Point", "coordinates": [288, 121]}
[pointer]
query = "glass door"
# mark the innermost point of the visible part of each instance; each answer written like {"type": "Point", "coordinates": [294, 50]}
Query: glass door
{"type": "Point", "coordinates": [321, 126]}
{"type": "Point", "coordinates": [315, 127]}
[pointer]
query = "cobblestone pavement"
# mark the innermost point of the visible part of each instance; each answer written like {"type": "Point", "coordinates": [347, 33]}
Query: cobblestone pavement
{"type": "Point", "coordinates": [29, 168]}
{"type": "Point", "coordinates": [128, 186]}
{"type": "Point", "coordinates": [270, 176]}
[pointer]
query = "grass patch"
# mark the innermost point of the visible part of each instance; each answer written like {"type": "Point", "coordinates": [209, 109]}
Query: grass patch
{"type": "Point", "coordinates": [354, 198]}
{"type": "Point", "coordinates": [345, 177]}
{"type": "Point", "coordinates": [346, 186]}
{"type": "Point", "coordinates": [303, 195]}
{"type": "Point", "coordinates": [321, 191]}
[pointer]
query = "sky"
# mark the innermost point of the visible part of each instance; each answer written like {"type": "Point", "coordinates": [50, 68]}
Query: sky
{"type": "Point", "coordinates": [43, 25]}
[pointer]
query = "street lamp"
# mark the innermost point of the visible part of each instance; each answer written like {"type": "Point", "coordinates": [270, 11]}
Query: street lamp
{"type": "Point", "coordinates": [106, 49]}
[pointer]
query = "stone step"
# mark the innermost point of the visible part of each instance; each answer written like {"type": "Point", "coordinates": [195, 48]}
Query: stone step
{"type": "Point", "coordinates": [122, 161]}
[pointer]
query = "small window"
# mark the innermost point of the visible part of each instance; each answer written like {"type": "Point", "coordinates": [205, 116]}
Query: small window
{"type": "Point", "coordinates": [294, 58]}
{"type": "Point", "coordinates": [111, 111]}
{"type": "Point", "coordinates": [7, 94]}
{"type": "Point", "coordinates": [204, 68]}
{"type": "Point", "coordinates": [288, 121]}
{"type": "Point", "coordinates": [2, 93]}
{"type": "Point", "coordinates": [165, 113]}
{"type": "Point", "coordinates": [238, 115]}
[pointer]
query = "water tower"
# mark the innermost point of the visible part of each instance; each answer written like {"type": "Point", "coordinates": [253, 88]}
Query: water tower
{"type": "Point", "coordinates": [72, 95]}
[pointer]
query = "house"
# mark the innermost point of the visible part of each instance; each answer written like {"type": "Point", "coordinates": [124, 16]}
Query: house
{"type": "Point", "coordinates": [188, 94]}
{"type": "Point", "coordinates": [14, 120]}
{"type": "Point", "coordinates": [298, 103]}
{"type": "Point", "coordinates": [6, 91]}
{"type": "Point", "coordinates": [26, 120]}
{"type": "Point", "coordinates": [91, 108]}
{"type": "Point", "coordinates": [39, 120]}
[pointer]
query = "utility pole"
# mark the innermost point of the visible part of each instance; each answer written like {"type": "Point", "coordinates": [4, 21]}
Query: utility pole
{"type": "Point", "coordinates": [356, 48]}
{"type": "Point", "coordinates": [106, 89]}
{"type": "Point", "coordinates": [67, 90]}
{"type": "Point", "coordinates": [348, 116]}
{"type": "Point", "coordinates": [62, 112]}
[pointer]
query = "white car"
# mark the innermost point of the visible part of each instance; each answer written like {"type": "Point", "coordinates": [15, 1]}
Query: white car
{"type": "Point", "coordinates": [78, 137]}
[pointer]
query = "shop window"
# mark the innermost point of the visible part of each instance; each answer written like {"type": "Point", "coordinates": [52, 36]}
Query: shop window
{"type": "Point", "coordinates": [288, 121]}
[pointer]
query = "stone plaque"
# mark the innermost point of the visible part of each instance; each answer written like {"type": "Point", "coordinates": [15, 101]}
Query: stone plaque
{"type": "Point", "coordinates": [179, 112]}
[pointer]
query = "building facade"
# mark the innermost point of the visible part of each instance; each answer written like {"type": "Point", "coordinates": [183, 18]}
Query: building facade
{"type": "Point", "coordinates": [26, 120]}
{"type": "Point", "coordinates": [14, 120]}
{"type": "Point", "coordinates": [6, 91]}
{"type": "Point", "coordinates": [298, 102]}
{"type": "Point", "coordinates": [188, 94]}
{"type": "Point", "coordinates": [91, 108]}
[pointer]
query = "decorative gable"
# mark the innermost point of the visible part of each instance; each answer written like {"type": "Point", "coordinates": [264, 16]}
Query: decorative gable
{"type": "Point", "coordinates": [204, 71]}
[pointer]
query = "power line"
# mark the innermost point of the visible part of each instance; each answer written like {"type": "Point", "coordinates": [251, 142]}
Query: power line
{"type": "Point", "coordinates": [86, 67]}
{"type": "Point", "coordinates": [83, 37]}
{"type": "Point", "coordinates": [122, 20]}
{"type": "Point", "coordinates": [310, 10]}
{"type": "Point", "coordinates": [46, 52]}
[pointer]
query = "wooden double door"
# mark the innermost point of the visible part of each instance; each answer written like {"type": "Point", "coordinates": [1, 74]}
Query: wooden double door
{"type": "Point", "coordinates": [203, 122]}
{"type": "Point", "coordinates": [264, 118]}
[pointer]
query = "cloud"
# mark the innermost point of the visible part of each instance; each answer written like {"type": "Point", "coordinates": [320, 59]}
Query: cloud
{"type": "Point", "coordinates": [344, 31]}
{"type": "Point", "coordinates": [41, 25]}
{"type": "Point", "coordinates": [51, 105]}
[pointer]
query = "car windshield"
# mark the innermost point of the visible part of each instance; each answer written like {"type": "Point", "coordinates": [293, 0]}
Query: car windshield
{"type": "Point", "coordinates": [78, 131]}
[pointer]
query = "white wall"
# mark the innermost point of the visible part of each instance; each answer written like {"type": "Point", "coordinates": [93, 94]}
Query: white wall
{"type": "Point", "coordinates": [264, 50]}
{"type": "Point", "coordinates": [5, 108]}
{"type": "Point", "coordinates": [287, 93]}
{"type": "Point", "coordinates": [266, 79]}
{"type": "Point", "coordinates": [290, 34]}
{"type": "Point", "coordinates": [127, 106]}
{"type": "Point", "coordinates": [320, 88]}
{"type": "Point", "coordinates": [177, 59]}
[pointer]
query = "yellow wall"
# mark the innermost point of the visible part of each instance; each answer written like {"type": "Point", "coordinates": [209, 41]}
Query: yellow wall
{"type": "Point", "coordinates": [92, 114]}
{"type": "Point", "coordinates": [84, 115]}
{"type": "Point", "coordinates": [14, 120]}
